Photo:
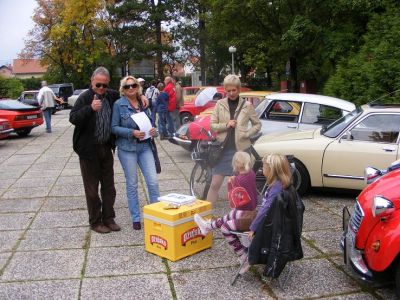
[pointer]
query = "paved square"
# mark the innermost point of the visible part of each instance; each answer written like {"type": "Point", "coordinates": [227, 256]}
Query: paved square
{"type": "Point", "coordinates": [47, 250]}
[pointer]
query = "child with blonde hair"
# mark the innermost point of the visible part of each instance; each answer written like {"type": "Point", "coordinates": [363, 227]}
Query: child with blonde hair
{"type": "Point", "coordinates": [239, 218]}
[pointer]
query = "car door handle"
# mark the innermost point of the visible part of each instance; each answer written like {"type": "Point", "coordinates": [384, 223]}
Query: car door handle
{"type": "Point", "coordinates": [292, 126]}
{"type": "Point", "coordinates": [388, 149]}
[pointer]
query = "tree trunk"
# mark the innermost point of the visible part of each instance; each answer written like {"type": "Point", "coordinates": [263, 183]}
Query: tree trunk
{"type": "Point", "coordinates": [293, 74]}
{"type": "Point", "coordinates": [202, 44]}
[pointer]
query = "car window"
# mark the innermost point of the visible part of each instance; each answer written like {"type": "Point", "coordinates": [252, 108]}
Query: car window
{"type": "Point", "coordinates": [314, 113]}
{"type": "Point", "coordinates": [381, 128]}
{"type": "Point", "coordinates": [284, 111]}
{"type": "Point", "coordinates": [29, 96]}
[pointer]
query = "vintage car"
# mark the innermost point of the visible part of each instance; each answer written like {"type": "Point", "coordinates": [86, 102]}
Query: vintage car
{"type": "Point", "coordinates": [336, 155]}
{"type": "Point", "coordinates": [280, 112]}
{"type": "Point", "coordinates": [22, 117]}
{"type": "Point", "coordinates": [206, 98]}
{"type": "Point", "coordinates": [63, 91]}
{"type": "Point", "coordinates": [190, 92]}
{"type": "Point", "coordinates": [29, 97]}
{"type": "Point", "coordinates": [72, 99]}
{"type": "Point", "coordinates": [5, 129]}
{"type": "Point", "coordinates": [371, 234]}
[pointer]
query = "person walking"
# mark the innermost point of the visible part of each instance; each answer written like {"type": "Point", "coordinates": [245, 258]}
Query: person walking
{"type": "Point", "coordinates": [230, 120]}
{"type": "Point", "coordinates": [46, 98]}
{"type": "Point", "coordinates": [134, 148]}
{"type": "Point", "coordinates": [170, 90]}
{"type": "Point", "coordinates": [94, 144]}
{"type": "Point", "coordinates": [152, 93]}
{"type": "Point", "coordinates": [162, 110]}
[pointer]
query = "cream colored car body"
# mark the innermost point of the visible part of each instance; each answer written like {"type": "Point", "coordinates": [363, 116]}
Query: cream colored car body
{"type": "Point", "coordinates": [339, 162]}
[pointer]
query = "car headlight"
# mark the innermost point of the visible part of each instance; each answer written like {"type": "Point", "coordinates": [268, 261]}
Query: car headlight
{"type": "Point", "coordinates": [381, 206]}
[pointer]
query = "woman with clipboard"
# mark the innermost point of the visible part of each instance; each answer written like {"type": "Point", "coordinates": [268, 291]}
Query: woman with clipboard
{"type": "Point", "coordinates": [132, 125]}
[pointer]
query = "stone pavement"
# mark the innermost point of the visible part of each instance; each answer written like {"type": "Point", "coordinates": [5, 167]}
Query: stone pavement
{"type": "Point", "coordinates": [48, 252]}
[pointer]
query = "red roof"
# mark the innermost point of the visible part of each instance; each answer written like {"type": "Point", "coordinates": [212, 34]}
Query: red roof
{"type": "Point", "coordinates": [28, 66]}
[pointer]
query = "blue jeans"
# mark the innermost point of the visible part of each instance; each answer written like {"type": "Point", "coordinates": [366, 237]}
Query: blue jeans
{"type": "Point", "coordinates": [162, 123]}
{"type": "Point", "coordinates": [143, 156]}
{"type": "Point", "coordinates": [153, 110]}
{"type": "Point", "coordinates": [171, 125]}
{"type": "Point", "coordinates": [47, 118]}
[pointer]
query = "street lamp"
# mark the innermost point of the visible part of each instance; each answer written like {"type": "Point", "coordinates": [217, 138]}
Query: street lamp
{"type": "Point", "coordinates": [232, 49]}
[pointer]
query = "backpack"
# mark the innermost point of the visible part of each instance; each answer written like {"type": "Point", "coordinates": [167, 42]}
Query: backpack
{"type": "Point", "coordinates": [238, 196]}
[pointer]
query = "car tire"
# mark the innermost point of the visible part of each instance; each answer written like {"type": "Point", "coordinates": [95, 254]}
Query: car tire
{"type": "Point", "coordinates": [23, 132]}
{"type": "Point", "coordinates": [301, 178]}
{"type": "Point", "coordinates": [185, 118]}
{"type": "Point", "coordinates": [397, 280]}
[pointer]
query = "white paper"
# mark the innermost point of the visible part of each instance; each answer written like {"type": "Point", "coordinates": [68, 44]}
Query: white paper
{"type": "Point", "coordinates": [143, 121]}
{"type": "Point", "coordinates": [177, 198]}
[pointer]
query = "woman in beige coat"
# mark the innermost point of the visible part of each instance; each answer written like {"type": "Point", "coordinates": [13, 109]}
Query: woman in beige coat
{"type": "Point", "coordinates": [238, 131]}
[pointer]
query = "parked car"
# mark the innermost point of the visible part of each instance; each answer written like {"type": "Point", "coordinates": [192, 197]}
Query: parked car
{"type": "Point", "coordinates": [29, 97]}
{"type": "Point", "coordinates": [190, 92]}
{"type": "Point", "coordinates": [288, 111]}
{"type": "Point", "coordinates": [371, 234]}
{"type": "Point", "coordinates": [5, 129]}
{"type": "Point", "coordinates": [72, 99]}
{"type": "Point", "coordinates": [206, 98]}
{"type": "Point", "coordinates": [282, 112]}
{"type": "Point", "coordinates": [336, 155]}
{"type": "Point", "coordinates": [63, 90]}
{"type": "Point", "coordinates": [22, 117]}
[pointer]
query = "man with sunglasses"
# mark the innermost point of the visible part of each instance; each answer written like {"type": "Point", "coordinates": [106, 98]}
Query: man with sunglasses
{"type": "Point", "coordinates": [94, 143]}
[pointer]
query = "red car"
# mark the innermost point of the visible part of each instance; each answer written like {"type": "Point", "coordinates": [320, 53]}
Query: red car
{"type": "Point", "coordinates": [23, 118]}
{"type": "Point", "coordinates": [371, 238]}
{"type": "Point", "coordinates": [5, 128]}
{"type": "Point", "coordinates": [206, 98]}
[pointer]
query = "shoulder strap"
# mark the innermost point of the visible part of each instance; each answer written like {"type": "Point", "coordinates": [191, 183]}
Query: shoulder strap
{"type": "Point", "coordinates": [240, 108]}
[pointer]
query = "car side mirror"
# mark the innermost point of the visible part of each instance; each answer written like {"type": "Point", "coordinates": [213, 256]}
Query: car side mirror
{"type": "Point", "coordinates": [346, 137]}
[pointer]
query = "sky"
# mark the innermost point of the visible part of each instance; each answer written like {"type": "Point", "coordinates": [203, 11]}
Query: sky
{"type": "Point", "coordinates": [15, 23]}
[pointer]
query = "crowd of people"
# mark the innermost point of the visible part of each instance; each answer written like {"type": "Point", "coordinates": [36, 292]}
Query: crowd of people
{"type": "Point", "coordinates": [106, 120]}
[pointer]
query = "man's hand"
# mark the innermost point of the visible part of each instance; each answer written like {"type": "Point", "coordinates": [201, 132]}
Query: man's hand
{"type": "Point", "coordinates": [59, 100]}
{"type": "Point", "coordinates": [138, 134]}
{"type": "Point", "coordinates": [145, 101]}
{"type": "Point", "coordinates": [96, 104]}
{"type": "Point", "coordinates": [231, 123]}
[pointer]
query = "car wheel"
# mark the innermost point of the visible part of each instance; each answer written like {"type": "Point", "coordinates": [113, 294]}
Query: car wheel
{"type": "Point", "coordinates": [301, 178]}
{"type": "Point", "coordinates": [185, 118]}
{"type": "Point", "coordinates": [398, 280]}
{"type": "Point", "coordinates": [23, 132]}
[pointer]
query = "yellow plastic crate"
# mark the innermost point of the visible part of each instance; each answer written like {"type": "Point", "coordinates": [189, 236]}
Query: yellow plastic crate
{"type": "Point", "coordinates": [172, 233]}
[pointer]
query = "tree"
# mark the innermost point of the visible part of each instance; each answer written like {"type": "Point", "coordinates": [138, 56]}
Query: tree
{"type": "Point", "coordinates": [10, 88]}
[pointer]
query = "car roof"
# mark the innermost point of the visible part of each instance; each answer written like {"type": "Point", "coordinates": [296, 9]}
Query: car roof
{"type": "Point", "coordinates": [377, 107]}
{"type": "Point", "coordinates": [60, 84]}
{"type": "Point", "coordinates": [31, 91]}
{"type": "Point", "coordinates": [313, 98]}
{"type": "Point", "coordinates": [255, 93]}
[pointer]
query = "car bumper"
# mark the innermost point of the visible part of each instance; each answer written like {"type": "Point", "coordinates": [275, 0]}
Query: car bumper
{"type": "Point", "coordinates": [352, 256]}
{"type": "Point", "coordinates": [5, 133]}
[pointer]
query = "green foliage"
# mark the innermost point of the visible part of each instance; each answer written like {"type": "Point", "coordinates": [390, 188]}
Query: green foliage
{"type": "Point", "coordinates": [31, 83]}
{"type": "Point", "coordinates": [10, 88]}
{"type": "Point", "coordinates": [374, 70]}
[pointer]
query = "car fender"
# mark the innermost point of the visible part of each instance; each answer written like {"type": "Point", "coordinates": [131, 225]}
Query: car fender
{"type": "Point", "coordinates": [388, 233]}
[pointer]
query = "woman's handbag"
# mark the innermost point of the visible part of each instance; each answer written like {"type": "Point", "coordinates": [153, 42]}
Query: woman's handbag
{"type": "Point", "coordinates": [155, 154]}
{"type": "Point", "coordinates": [217, 148]}
{"type": "Point", "coordinates": [237, 195]}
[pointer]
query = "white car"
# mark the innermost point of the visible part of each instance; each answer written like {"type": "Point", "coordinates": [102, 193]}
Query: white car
{"type": "Point", "coordinates": [295, 111]}
{"type": "Point", "coordinates": [72, 99]}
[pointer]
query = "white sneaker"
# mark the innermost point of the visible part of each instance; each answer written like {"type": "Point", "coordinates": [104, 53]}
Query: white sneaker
{"type": "Point", "coordinates": [204, 225]}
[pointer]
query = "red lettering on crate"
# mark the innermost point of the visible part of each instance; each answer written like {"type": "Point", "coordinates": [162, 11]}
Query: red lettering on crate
{"type": "Point", "coordinates": [191, 234]}
{"type": "Point", "coordinates": [155, 239]}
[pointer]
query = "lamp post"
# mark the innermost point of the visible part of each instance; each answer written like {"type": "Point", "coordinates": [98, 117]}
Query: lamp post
{"type": "Point", "coordinates": [232, 49]}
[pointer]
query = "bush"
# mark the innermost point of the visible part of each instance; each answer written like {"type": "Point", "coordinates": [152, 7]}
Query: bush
{"type": "Point", "coordinates": [31, 83]}
{"type": "Point", "coordinates": [10, 88]}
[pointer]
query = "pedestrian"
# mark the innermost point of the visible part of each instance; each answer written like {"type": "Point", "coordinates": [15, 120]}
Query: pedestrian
{"type": "Point", "coordinates": [46, 98]}
{"type": "Point", "coordinates": [172, 110]}
{"type": "Point", "coordinates": [152, 93]}
{"type": "Point", "coordinates": [162, 110]}
{"type": "Point", "coordinates": [238, 218]}
{"type": "Point", "coordinates": [134, 148]}
{"type": "Point", "coordinates": [179, 101]}
{"type": "Point", "coordinates": [141, 82]}
{"type": "Point", "coordinates": [230, 120]}
{"type": "Point", "coordinates": [94, 144]}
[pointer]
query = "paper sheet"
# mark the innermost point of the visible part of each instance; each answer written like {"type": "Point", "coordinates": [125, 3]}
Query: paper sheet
{"type": "Point", "coordinates": [143, 121]}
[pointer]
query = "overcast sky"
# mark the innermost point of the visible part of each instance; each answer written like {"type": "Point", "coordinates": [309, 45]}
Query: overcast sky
{"type": "Point", "coordinates": [15, 22]}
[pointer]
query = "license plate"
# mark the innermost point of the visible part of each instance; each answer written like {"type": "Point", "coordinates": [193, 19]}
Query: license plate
{"type": "Point", "coordinates": [30, 117]}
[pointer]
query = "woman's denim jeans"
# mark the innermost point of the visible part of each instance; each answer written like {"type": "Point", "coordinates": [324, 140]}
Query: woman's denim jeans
{"type": "Point", "coordinates": [143, 156]}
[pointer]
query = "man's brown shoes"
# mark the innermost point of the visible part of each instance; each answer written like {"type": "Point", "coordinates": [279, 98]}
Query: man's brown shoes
{"type": "Point", "coordinates": [112, 225]}
{"type": "Point", "coordinates": [100, 228]}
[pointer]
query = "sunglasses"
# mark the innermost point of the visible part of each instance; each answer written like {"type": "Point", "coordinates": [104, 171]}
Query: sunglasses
{"type": "Point", "coordinates": [103, 85]}
{"type": "Point", "coordinates": [128, 86]}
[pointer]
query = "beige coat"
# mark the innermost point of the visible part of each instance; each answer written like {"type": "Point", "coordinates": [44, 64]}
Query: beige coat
{"type": "Point", "coordinates": [221, 116]}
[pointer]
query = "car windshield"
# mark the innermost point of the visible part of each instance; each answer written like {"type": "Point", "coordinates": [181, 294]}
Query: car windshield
{"type": "Point", "coordinates": [335, 128]}
{"type": "Point", "coordinates": [261, 107]}
{"type": "Point", "coordinates": [13, 104]}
